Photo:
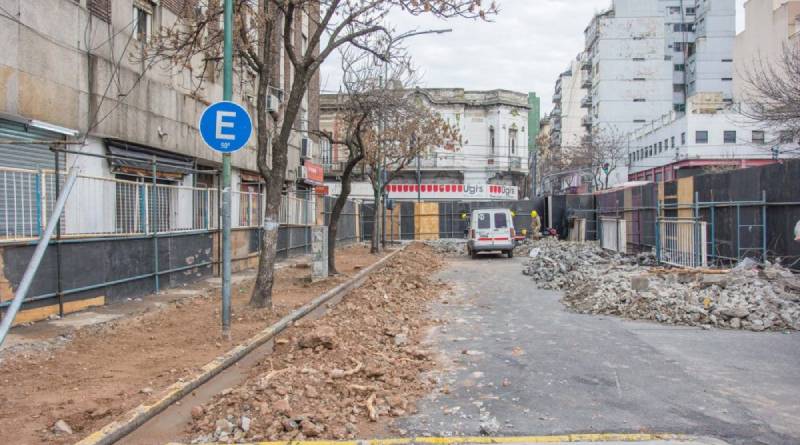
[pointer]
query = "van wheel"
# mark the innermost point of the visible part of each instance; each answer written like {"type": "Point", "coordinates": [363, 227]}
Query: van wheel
{"type": "Point", "coordinates": [510, 253]}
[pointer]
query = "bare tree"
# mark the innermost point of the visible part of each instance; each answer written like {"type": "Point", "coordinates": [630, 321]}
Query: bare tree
{"type": "Point", "coordinates": [773, 96]}
{"type": "Point", "coordinates": [407, 129]}
{"type": "Point", "coordinates": [358, 109]}
{"type": "Point", "coordinates": [265, 30]}
{"type": "Point", "coordinates": [601, 154]}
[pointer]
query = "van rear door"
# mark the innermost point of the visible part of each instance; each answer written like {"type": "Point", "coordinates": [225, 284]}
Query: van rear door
{"type": "Point", "coordinates": [501, 235]}
{"type": "Point", "coordinates": [483, 233]}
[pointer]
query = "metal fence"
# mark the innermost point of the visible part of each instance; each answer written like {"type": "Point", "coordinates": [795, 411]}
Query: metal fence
{"type": "Point", "coordinates": [682, 242]}
{"type": "Point", "coordinates": [100, 206]}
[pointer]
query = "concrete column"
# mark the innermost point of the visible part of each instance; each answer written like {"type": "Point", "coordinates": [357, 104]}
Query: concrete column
{"type": "Point", "coordinates": [319, 253]}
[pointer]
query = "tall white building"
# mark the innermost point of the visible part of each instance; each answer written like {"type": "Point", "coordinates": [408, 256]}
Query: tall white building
{"type": "Point", "coordinates": [647, 56]}
{"type": "Point", "coordinates": [570, 115]}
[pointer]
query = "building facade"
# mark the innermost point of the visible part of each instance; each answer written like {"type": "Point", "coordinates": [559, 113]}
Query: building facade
{"type": "Point", "coordinates": [710, 136]}
{"type": "Point", "coordinates": [646, 57]}
{"type": "Point", "coordinates": [490, 162]}
{"type": "Point", "coordinates": [570, 116]}
{"type": "Point", "coordinates": [100, 100]}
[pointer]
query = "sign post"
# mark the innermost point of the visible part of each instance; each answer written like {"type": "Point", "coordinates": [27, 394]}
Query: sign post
{"type": "Point", "coordinates": [226, 127]}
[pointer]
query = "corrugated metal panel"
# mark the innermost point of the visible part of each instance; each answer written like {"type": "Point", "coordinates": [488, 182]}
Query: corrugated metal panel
{"type": "Point", "coordinates": [30, 156]}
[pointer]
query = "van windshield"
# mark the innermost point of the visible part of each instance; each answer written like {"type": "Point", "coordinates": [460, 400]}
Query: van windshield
{"type": "Point", "coordinates": [500, 221]}
{"type": "Point", "coordinates": [483, 221]}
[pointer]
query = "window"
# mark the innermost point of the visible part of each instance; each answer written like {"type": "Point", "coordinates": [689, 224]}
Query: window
{"type": "Point", "coordinates": [680, 67]}
{"type": "Point", "coordinates": [638, 59]}
{"type": "Point", "coordinates": [639, 121]}
{"type": "Point", "coordinates": [683, 27]}
{"type": "Point", "coordinates": [512, 140]}
{"type": "Point", "coordinates": [727, 79]}
{"type": "Point", "coordinates": [659, 177]}
{"type": "Point", "coordinates": [672, 140]}
{"type": "Point", "coordinates": [491, 139]}
{"type": "Point", "coordinates": [701, 137]}
{"type": "Point", "coordinates": [142, 21]}
{"type": "Point", "coordinates": [785, 137]}
{"type": "Point", "coordinates": [639, 79]}
{"type": "Point", "coordinates": [673, 9]}
{"type": "Point", "coordinates": [679, 108]}
{"type": "Point", "coordinates": [483, 221]}
{"type": "Point", "coordinates": [758, 136]}
{"type": "Point", "coordinates": [690, 11]}
{"type": "Point", "coordinates": [326, 153]}
{"type": "Point", "coordinates": [683, 138]}
{"type": "Point", "coordinates": [727, 60]}
{"type": "Point", "coordinates": [677, 88]}
{"type": "Point", "coordinates": [666, 144]}
{"type": "Point", "coordinates": [678, 47]}
{"type": "Point", "coordinates": [660, 147]}
{"type": "Point", "coordinates": [500, 221]}
{"type": "Point", "coordinates": [729, 137]}
{"type": "Point", "coordinates": [639, 99]}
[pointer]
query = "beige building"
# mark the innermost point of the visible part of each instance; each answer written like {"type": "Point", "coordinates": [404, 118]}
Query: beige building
{"type": "Point", "coordinates": [73, 70]}
{"type": "Point", "coordinates": [769, 25]}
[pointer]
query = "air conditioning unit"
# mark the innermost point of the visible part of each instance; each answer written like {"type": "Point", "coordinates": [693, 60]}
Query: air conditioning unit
{"type": "Point", "coordinates": [301, 172]}
{"type": "Point", "coordinates": [306, 148]}
{"type": "Point", "coordinates": [273, 102]}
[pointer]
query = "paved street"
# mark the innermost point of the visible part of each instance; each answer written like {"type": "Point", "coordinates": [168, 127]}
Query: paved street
{"type": "Point", "coordinates": [518, 357]}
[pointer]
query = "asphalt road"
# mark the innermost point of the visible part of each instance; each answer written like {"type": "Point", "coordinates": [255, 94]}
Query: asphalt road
{"type": "Point", "coordinates": [522, 365]}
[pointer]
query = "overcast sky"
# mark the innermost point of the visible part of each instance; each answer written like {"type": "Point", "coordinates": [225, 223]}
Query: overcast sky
{"type": "Point", "coordinates": [523, 49]}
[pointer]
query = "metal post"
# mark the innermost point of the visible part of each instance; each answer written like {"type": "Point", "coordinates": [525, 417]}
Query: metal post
{"type": "Point", "coordinates": [738, 230]}
{"type": "Point", "coordinates": [764, 225]}
{"type": "Point", "coordinates": [227, 94]}
{"type": "Point", "coordinates": [657, 234]}
{"type": "Point", "coordinates": [59, 284]}
{"type": "Point", "coordinates": [155, 226]}
{"type": "Point", "coordinates": [36, 259]}
{"type": "Point", "coordinates": [38, 185]}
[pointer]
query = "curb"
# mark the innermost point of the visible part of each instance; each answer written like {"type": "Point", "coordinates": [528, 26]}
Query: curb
{"type": "Point", "coordinates": [137, 416]}
{"type": "Point", "coordinates": [555, 439]}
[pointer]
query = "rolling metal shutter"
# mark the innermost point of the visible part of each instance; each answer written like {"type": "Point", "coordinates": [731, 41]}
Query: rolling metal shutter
{"type": "Point", "coordinates": [28, 155]}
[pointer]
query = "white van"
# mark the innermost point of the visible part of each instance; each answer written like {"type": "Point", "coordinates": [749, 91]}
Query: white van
{"type": "Point", "coordinates": [491, 230]}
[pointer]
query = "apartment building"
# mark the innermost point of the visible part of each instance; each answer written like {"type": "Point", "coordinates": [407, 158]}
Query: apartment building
{"type": "Point", "coordinates": [76, 90]}
{"type": "Point", "coordinates": [714, 133]}
{"type": "Point", "coordinates": [570, 116]}
{"type": "Point", "coordinates": [490, 161]}
{"type": "Point", "coordinates": [646, 57]}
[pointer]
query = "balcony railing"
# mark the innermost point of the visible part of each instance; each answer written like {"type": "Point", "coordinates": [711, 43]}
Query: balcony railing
{"type": "Point", "coordinates": [587, 120]}
{"type": "Point", "coordinates": [557, 98]}
{"type": "Point", "coordinates": [334, 167]}
{"type": "Point", "coordinates": [586, 102]}
{"type": "Point", "coordinates": [587, 82]}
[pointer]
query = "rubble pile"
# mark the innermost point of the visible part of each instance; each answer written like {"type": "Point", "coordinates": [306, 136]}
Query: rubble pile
{"type": "Point", "coordinates": [448, 246]}
{"type": "Point", "coordinates": [360, 363]}
{"type": "Point", "coordinates": [751, 297]}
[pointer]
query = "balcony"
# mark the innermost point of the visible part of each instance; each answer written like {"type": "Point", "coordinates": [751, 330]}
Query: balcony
{"type": "Point", "coordinates": [333, 168]}
{"type": "Point", "coordinates": [586, 102]}
{"type": "Point", "coordinates": [556, 111]}
{"type": "Point", "coordinates": [557, 98]}
{"type": "Point", "coordinates": [587, 82]}
{"type": "Point", "coordinates": [587, 120]}
{"type": "Point", "coordinates": [557, 125]}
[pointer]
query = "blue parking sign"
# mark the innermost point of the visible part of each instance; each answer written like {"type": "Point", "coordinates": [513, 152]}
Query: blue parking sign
{"type": "Point", "coordinates": [225, 126]}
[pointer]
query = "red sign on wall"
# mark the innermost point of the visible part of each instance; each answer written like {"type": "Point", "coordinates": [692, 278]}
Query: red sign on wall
{"type": "Point", "coordinates": [314, 173]}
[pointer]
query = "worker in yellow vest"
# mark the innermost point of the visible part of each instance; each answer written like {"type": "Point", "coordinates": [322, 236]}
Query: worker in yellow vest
{"type": "Point", "coordinates": [536, 225]}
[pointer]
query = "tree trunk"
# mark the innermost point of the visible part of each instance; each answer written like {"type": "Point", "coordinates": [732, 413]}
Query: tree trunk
{"type": "Point", "coordinates": [275, 177]}
{"type": "Point", "coordinates": [336, 212]}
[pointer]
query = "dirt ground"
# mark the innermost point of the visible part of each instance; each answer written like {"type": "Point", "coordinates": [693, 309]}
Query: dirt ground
{"type": "Point", "coordinates": [344, 375]}
{"type": "Point", "coordinates": [104, 370]}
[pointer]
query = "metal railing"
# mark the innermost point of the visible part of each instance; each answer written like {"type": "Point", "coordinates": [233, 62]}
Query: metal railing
{"type": "Point", "coordinates": [682, 242]}
{"type": "Point", "coordinates": [101, 206]}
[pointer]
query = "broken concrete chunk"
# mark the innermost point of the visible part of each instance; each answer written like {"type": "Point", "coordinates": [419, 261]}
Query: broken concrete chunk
{"type": "Point", "coordinates": [324, 336]}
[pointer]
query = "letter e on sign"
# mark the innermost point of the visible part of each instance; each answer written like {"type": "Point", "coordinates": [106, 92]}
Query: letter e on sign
{"type": "Point", "coordinates": [225, 127]}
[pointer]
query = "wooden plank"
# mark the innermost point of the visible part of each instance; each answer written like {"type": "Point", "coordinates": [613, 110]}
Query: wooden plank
{"type": "Point", "coordinates": [685, 197]}
{"type": "Point", "coordinates": [427, 218]}
{"type": "Point", "coordinates": [41, 313]}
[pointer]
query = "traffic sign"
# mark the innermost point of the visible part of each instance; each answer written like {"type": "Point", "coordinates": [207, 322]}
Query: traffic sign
{"type": "Point", "coordinates": [225, 126]}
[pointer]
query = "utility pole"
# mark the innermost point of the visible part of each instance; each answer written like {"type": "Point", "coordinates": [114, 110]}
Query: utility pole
{"type": "Point", "coordinates": [419, 173]}
{"type": "Point", "coordinates": [227, 95]}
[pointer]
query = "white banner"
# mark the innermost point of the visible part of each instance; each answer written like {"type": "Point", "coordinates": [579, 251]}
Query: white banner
{"type": "Point", "coordinates": [468, 191]}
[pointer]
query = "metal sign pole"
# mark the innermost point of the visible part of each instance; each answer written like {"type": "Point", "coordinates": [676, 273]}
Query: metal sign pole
{"type": "Point", "coordinates": [227, 95]}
